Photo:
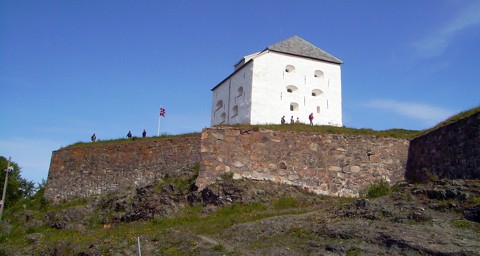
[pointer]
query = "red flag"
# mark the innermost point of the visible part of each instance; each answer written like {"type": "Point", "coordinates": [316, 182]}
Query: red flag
{"type": "Point", "coordinates": [162, 112]}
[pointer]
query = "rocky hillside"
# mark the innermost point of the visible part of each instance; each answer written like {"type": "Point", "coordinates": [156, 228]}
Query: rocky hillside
{"type": "Point", "coordinates": [239, 217]}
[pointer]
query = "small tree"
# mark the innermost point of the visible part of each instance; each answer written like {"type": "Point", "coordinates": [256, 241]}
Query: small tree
{"type": "Point", "coordinates": [17, 187]}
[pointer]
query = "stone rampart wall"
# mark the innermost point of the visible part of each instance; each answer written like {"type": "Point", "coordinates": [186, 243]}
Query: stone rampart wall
{"type": "Point", "coordinates": [331, 164]}
{"type": "Point", "coordinates": [105, 167]}
{"type": "Point", "coordinates": [452, 151]}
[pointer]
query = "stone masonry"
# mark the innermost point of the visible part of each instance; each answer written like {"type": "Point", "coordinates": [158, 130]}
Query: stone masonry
{"type": "Point", "coordinates": [329, 164]}
{"type": "Point", "coordinates": [452, 151]}
{"type": "Point", "coordinates": [96, 168]}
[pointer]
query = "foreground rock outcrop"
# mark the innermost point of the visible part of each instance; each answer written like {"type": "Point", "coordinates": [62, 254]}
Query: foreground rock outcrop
{"type": "Point", "coordinates": [170, 217]}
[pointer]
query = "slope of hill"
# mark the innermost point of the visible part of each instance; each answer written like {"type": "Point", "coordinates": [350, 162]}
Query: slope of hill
{"type": "Point", "coordinates": [239, 217]}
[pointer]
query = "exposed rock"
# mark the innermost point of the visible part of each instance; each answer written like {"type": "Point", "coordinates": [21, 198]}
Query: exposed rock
{"type": "Point", "coordinates": [472, 213]}
{"type": "Point", "coordinates": [33, 238]}
{"type": "Point", "coordinates": [405, 222]}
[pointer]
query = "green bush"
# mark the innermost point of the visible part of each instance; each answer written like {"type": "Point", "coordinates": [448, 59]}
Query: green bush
{"type": "Point", "coordinates": [381, 188]}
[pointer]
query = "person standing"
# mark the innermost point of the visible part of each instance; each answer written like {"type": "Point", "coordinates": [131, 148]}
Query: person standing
{"type": "Point", "coordinates": [291, 120]}
{"type": "Point", "coordinates": [282, 120]}
{"type": "Point", "coordinates": [310, 117]}
{"type": "Point", "coordinates": [129, 134]}
{"type": "Point", "coordinates": [144, 133]}
{"type": "Point", "coordinates": [93, 138]}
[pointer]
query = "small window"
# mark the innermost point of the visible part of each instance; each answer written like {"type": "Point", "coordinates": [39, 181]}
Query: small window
{"type": "Point", "coordinates": [318, 109]}
{"type": "Point", "coordinates": [240, 91]}
{"type": "Point", "coordinates": [219, 104]}
{"type": "Point", "coordinates": [291, 88]}
{"type": "Point", "coordinates": [223, 116]}
{"type": "Point", "coordinates": [289, 68]}
{"type": "Point", "coordinates": [293, 106]}
{"type": "Point", "coordinates": [235, 111]}
{"type": "Point", "coordinates": [316, 92]}
{"type": "Point", "coordinates": [318, 74]}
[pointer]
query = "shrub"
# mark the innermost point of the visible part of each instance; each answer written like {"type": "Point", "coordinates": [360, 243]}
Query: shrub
{"type": "Point", "coordinates": [378, 189]}
{"type": "Point", "coordinates": [475, 200]}
{"type": "Point", "coordinates": [227, 176]}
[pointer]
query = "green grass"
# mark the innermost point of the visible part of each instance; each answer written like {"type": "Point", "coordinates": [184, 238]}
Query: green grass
{"type": "Point", "coordinates": [395, 133]}
{"type": "Point", "coordinates": [126, 140]}
{"type": "Point", "coordinates": [452, 119]}
{"type": "Point", "coordinates": [191, 219]}
{"type": "Point", "coordinates": [286, 203]}
{"type": "Point", "coordinates": [180, 183]}
{"type": "Point", "coordinates": [474, 200]}
{"type": "Point", "coordinates": [461, 224]}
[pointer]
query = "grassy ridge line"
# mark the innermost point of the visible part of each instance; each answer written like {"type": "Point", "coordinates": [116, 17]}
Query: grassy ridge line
{"type": "Point", "coordinates": [394, 133]}
{"type": "Point", "coordinates": [452, 119]}
{"type": "Point", "coordinates": [126, 140]}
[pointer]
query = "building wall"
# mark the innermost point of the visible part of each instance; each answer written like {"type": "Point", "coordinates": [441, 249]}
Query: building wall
{"type": "Point", "coordinates": [265, 98]}
{"type": "Point", "coordinates": [330, 164]}
{"type": "Point", "coordinates": [452, 151]}
{"type": "Point", "coordinates": [235, 94]}
{"type": "Point", "coordinates": [97, 168]}
{"type": "Point", "coordinates": [271, 100]}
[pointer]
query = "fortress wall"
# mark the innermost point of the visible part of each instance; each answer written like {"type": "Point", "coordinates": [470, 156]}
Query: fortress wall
{"type": "Point", "coordinates": [330, 164]}
{"type": "Point", "coordinates": [97, 168]}
{"type": "Point", "coordinates": [452, 151]}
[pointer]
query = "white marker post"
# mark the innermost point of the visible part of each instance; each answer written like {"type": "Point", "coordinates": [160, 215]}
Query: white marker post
{"type": "Point", "coordinates": [162, 114]}
{"type": "Point", "coordinates": [139, 249]}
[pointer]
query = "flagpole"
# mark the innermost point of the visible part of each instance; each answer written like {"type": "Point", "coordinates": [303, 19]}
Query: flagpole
{"type": "Point", "coordinates": [162, 114]}
{"type": "Point", "coordinates": [159, 116]}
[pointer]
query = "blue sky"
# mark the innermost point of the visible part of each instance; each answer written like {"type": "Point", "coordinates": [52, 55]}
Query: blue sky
{"type": "Point", "coordinates": [72, 68]}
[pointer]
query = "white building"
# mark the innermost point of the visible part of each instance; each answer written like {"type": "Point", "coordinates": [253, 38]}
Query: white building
{"type": "Point", "coordinates": [290, 78]}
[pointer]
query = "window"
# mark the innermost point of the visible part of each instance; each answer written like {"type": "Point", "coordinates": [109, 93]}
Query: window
{"type": "Point", "coordinates": [240, 91]}
{"type": "Point", "coordinates": [318, 109]}
{"type": "Point", "coordinates": [235, 111]}
{"type": "Point", "coordinates": [289, 68]}
{"type": "Point", "coordinates": [316, 92]}
{"type": "Point", "coordinates": [293, 106]}
{"type": "Point", "coordinates": [291, 88]}
{"type": "Point", "coordinates": [318, 74]}
{"type": "Point", "coordinates": [223, 116]}
{"type": "Point", "coordinates": [219, 104]}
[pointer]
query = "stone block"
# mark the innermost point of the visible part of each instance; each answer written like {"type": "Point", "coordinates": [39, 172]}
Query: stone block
{"type": "Point", "coordinates": [355, 168]}
{"type": "Point", "coordinates": [335, 168]}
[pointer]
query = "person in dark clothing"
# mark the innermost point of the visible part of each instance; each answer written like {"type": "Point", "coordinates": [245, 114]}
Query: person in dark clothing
{"type": "Point", "coordinates": [283, 120]}
{"type": "Point", "coordinates": [93, 138]}
{"type": "Point", "coordinates": [129, 134]}
{"type": "Point", "coordinates": [144, 133]}
{"type": "Point", "coordinates": [310, 117]}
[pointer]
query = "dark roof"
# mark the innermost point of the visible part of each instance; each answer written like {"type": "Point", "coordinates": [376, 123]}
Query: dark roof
{"type": "Point", "coordinates": [293, 46]}
{"type": "Point", "coordinates": [297, 46]}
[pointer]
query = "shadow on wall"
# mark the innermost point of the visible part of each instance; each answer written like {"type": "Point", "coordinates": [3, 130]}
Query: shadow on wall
{"type": "Point", "coordinates": [451, 151]}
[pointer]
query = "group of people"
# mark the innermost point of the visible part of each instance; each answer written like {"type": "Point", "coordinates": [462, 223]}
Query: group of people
{"type": "Point", "coordinates": [144, 134]}
{"type": "Point", "coordinates": [129, 135]}
{"type": "Point", "coordinates": [293, 121]}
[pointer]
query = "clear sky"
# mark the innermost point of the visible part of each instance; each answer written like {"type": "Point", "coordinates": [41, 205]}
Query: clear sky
{"type": "Point", "coordinates": [69, 69]}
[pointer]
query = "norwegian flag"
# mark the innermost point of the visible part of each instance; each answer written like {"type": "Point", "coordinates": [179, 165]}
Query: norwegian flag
{"type": "Point", "coordinates": [162, 112]}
